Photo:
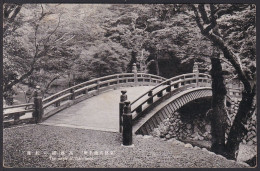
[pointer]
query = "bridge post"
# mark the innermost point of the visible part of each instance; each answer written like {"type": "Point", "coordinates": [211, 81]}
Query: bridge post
{"type": "Point", "coordinates": [150, 100]}
{"type": "Point", "coordinates": [168, 89]}
{"type": "Point", "coordinates": [98, 86]}
{"type": "Point", "coordinates": [117, 81]}
{"type": "Point", "coordinates": [72, 97]}
{"type": "Point", "coordinates": [179, 84]}
{"type": "Point", "coordinates": [196, 71]}
{"type": "Point", "coordinates": [85, 91]}
{"type": "Point", "coordinates": [160, 93]}
{"type": "Point", "coordinates": [123, 98]}
{"type": "Point", "coordinates": [150, 80]}
{"type": "Point", "coordinates": [57, 104]}
{"type": "Point", "coordinates": [38, 107]}
{"type": "Point", "coordinates": [127, 125]}
{"type": "Point", "coordinates": [134, 70]}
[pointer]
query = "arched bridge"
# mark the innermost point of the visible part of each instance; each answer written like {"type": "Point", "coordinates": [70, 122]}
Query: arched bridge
{"type": "Point", "coordinates": [94, 104]}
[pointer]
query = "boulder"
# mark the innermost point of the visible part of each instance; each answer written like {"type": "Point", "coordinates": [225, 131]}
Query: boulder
{"type": "Point", "coordinates": [188, 145]}
{"type": "Point", "coordinates": [250, 142]}
{"type": "Point", "coordinates": [208, 128]}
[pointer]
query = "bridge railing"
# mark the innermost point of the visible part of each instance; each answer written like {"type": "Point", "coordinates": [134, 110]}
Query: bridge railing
{"type": "Point", "coordinates": [133, 111]}
{"type": "Point", "coordinates": [14, 113]}
{"type": "Point", "coordinates": [185, 80]}
{"type": "Point", "coordinates": [24, 113]}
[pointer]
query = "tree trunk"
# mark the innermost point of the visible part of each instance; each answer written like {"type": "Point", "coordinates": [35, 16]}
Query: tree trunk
{"type": "Point", "coordinates": [157, 65]}
{"type": "Point", "coordinates": [133, 60]}
{"type": "Point", "coordinates": [219, 114]}
{"type": "Point", "coordinates": [238, 130]}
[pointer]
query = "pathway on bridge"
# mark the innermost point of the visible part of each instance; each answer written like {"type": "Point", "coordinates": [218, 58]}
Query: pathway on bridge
{"type": "Point", "coordinates": [100, 112]}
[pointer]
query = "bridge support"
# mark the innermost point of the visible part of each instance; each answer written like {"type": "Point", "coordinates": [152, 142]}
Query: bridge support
{"type": "Point", "coordinates": [127, 125]}
{"type": "Point", "coordinates": [123, 98]}
{"type": "Point", "coordinates": [38, 107]}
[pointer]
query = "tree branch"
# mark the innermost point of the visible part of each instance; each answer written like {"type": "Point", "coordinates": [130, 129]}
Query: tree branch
{"type": "Point", "coordinates": [203, 13]}
{"type": "Point", "coordinates": [48, 37]}
{"type": "Point", "coordinates": [219, 42]}
{"type": "Point", "coordinates": [231, 10]}
{"type": "Point", "coordinates": [197, 18]}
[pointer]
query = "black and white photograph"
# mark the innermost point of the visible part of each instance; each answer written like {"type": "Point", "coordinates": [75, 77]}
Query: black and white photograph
{"type": "Point", "coordinates": [128, 85]}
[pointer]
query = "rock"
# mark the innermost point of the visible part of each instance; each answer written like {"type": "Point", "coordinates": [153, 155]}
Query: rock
{"type": "Point", "coordinates": [210, 152]}
{"type": "Point", "coordinates": [250, 136]}
{"type": "Point", "coordinates": [188, 145]}
{"type": "Point", "coordinates": [188, 126]}
{"type": "Point", "coordinates": [167, 136]}
{"type": "Point", "coordinates": [244, 141]}
{"type": "Point", "coordinates": [177, 142]}
{"type": "Point", "coordinates": [197, 148]}
{"type": "Point", "coordinates": [196, 134]}
{"type": "Point", "coordinates": [204, 149]}
{"type": "Point", "coordinates": [208, 128]}
{"type": "Point", "coordinates": [147, 136]}
{"type": "Point", "coordinates": [174, 139]}
{"type": "Point", "coordinates": [201, 138]}
{"type": "Point", "coordinates": [188, 131]}
{"type": "Point", "coordinates": [196, 129]}
{"type": "Point", "coordinates": [209, 136]}
{"type": "Point", "coordinates": [250, 142]}
{"type": "Point", "coordinates": [170, 140]}
{"type": "Point", "coordinates": [221, 156]}
{"type": "Point", "coordinates": [196, 138]}
{"type": "Point", "coordinates": [243, 163]}
{"type": "Point", "coordinates": [139, 136]}
{"type": "Point", "coordinates": [205, 134]}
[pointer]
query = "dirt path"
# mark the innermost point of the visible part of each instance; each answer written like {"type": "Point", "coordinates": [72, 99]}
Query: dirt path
{"type": "Point", "coordinates": [100, 149]}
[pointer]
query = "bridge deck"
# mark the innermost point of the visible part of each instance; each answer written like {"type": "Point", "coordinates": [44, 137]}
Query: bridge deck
{"type": "Point", "coordinates": [98, 113]}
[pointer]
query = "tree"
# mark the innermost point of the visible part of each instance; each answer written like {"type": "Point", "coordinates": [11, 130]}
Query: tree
{"type": "Point", "coordinates": [212, 21]}
{"type": "Point", "coordinates": [33, 47]}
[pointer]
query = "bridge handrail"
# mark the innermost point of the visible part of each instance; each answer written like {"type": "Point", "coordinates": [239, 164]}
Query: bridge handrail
{"type": "Point", "coordinates": [104, 79]}
{"type": "Point", "coordinates": [155, 76]}
{"type": "Point", "coordinates": [172, 84]}
{"type": "Point", "coordinates": [78, 85]}
{"type": "Point", "coordinates": [75, 91]}
{"type": "Point", "coordinates": [177, 80]}
{"type": "Point", "coordinates": [167, 80]}
{"type": "Point", "coordinates": [17, 106]}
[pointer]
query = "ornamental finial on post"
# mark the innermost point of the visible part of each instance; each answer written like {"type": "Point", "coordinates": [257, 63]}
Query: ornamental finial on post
{"type": "Point", "coordinates": [37, 92]}
{"type": "Point", "coordinates": [196, 71]}
{"type": "Point", "coordinates": [196, 67]}
{"type": "Point", "coordinates": [123, 96]}
{"type": "Point", "coordinates": [134, 68]}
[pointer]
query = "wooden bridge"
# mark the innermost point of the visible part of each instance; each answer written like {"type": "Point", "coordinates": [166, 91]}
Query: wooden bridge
{"type": "Point", "coordinates": [94, 104]}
